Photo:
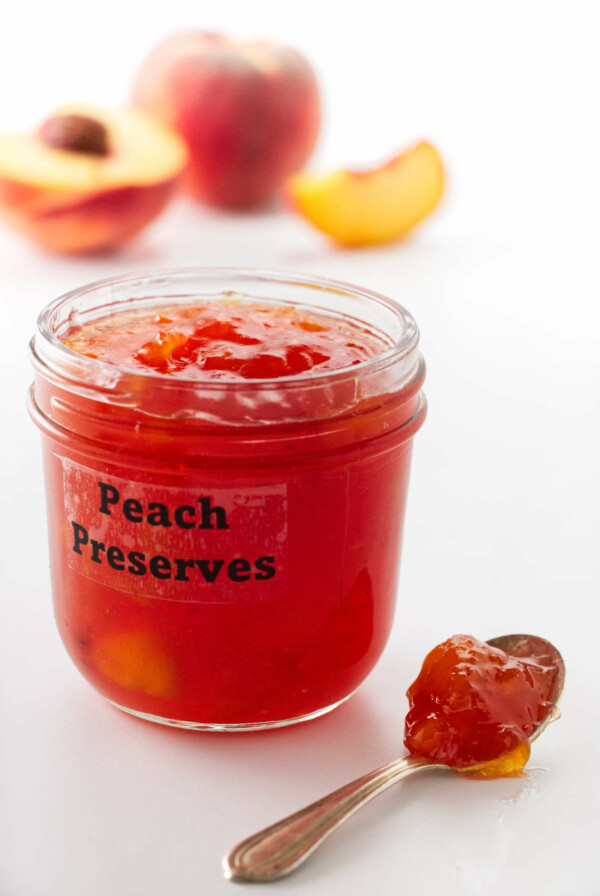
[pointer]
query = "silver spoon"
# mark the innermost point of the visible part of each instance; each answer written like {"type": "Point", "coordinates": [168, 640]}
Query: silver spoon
{"type": "Point", "coordinates": [282, 847]}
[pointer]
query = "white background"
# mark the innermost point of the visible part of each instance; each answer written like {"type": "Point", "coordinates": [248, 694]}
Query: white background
{"type": "Point", "coordinates": [503, 525]}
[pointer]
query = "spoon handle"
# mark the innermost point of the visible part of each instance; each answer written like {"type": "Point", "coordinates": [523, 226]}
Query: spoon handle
{"type": "Point", "coordinates": [278, 849]}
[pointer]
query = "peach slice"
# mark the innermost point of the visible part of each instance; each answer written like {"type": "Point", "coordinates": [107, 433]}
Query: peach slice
{"type": "Point", "coordinates": [89, 178]}
{"type": "Point", "coordinates": [362, 208]}
{"type": "Point", "coordinates": [137, 661]}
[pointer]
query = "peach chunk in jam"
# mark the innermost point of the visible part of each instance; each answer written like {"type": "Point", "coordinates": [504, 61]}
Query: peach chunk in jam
{"type": "Point", "coordinates": [472, 704]}
{"type": "Point", "coordinates": [228, 340]}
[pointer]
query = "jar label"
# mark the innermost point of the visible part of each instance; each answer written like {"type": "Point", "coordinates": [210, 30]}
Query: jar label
{"type": "Point", "coordinates": [210, 545]}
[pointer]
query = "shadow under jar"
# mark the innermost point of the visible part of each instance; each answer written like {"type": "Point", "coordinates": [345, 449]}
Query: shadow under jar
{"type": "Point", "coordinates": [225, 551]}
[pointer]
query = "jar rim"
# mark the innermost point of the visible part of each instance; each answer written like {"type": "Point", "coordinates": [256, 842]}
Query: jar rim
{"type": "Point", "coordinates": [53, 351]}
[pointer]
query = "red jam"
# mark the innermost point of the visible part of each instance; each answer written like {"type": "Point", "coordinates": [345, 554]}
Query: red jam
{"type": "Point", "coordinates": [227, 340]}
{"type": "Point", "coordinates": [472, 703]}
{"type": "Point", "coordinates": [224, 551]}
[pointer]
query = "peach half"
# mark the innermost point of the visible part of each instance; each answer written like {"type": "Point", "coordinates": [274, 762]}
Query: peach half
{"type": "Point", "coordinates": [88, 179]}
{"type": "Point", "coordinates": [360, 208]}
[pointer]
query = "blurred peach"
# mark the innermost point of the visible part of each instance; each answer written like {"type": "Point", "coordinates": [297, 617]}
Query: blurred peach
{"type": "Point", "coordinates": [249, 112]}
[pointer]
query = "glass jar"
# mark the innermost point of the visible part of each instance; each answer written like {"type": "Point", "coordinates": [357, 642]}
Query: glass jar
{"type": "Point", "coordinates": [225, 554]}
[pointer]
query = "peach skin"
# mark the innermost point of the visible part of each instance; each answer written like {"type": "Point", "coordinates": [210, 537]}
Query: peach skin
{"type": "Point", "coordinates": [360, 208]}
{"type": "Point", "coordinates": [88, 179]}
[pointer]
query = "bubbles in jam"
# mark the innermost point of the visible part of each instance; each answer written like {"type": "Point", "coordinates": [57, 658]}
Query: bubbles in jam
{"type": "Point", "coordinates": [227, 339]}
{"type": "Point", "coordinates": [473, 707]}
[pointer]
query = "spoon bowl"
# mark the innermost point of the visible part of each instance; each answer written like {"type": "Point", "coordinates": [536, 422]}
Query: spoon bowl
{"type": "Point", "coordinates": [544, 653]}
{"type": "Point", "coordinates": [282, 847]}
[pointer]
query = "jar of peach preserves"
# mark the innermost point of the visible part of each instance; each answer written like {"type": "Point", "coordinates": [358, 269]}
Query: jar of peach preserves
{"type": "Point", "coordinates": [227, 457]}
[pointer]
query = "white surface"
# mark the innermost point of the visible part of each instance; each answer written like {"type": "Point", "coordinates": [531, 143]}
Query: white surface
{"type": "Point", "coordinates": [503, 524]}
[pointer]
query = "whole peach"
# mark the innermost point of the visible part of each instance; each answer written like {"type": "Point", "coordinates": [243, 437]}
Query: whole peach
{"type": "Point", "coordinates": [249, 112]}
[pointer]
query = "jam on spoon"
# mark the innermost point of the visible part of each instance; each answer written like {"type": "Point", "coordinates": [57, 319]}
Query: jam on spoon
{"type": "Point", "coordinates": [475, 708]}
{"type": "Point", "coordinates": [473, 703]}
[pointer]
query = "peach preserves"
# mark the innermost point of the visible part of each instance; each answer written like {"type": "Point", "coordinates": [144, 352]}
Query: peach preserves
{"type": "Point", "coordinates": [226, 475]}
{"type": "Point", "coordinates": [473, 703]}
